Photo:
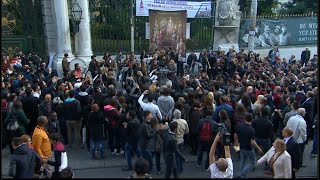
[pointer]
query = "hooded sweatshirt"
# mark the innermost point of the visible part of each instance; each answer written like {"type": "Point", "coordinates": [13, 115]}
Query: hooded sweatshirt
{"type": "Point", "coordinates": [60, 157]}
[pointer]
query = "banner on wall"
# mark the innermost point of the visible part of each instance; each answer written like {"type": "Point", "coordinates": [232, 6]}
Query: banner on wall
{"type": "Point", "coordinates": [280, 32]}
{"type": "Point", "coordinates": [148, 31]}
{"type": "Point", "coordinates": [194, 9]}
{"type": "Point", "coordinates": [168, 30]}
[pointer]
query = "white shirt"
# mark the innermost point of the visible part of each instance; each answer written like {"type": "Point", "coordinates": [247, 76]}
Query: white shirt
{"type": "Point", "coordinates": [299, 128]}
{"type": "Point", "coordinates": [154, 109]}
{"type": "Point", "coordinates": [287, 139]}
{"type": "Point", "coordinates": [215, 173]}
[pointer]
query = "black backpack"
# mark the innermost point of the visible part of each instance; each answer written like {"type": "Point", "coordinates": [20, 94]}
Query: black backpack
{"type": "Point", "coordinates": [13, 124]}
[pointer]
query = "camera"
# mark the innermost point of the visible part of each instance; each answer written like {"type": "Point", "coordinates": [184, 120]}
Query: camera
{"type": "Point", "coordinates": [225, 138]}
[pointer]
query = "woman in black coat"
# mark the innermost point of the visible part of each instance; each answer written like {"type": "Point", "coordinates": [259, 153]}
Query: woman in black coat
{"type": "Point", "coordinates": [95, 121]}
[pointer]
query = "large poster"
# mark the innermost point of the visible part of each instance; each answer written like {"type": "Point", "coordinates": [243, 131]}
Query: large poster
{"type": "Point", "coordinates": [281, 32]}
{"type": "Point", "coordinates": [195, 9]}
{"type": "Point", "coordinates": [168, 29]}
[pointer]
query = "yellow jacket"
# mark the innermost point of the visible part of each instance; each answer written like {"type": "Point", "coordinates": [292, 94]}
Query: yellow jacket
{"type": "Point", "coordinates": [41, 143]}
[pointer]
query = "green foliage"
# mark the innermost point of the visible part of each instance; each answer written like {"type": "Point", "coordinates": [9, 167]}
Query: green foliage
{"type": "Point", "coordinates": [264, 6]}
{"type": "Point", "coordinates": [300, 6]}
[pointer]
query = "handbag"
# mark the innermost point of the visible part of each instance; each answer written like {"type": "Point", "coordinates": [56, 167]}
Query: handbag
{"type": "Point", "coordinates": [270, 170]}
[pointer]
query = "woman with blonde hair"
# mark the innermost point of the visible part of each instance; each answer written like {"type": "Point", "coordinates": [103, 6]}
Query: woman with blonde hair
{"type": "Point", "coordinates": [278, 159]}
{"type": "Point", "coordinates": [258, 104]}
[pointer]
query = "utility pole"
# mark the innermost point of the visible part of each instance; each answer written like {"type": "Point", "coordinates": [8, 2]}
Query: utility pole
{"type": "Point", "coordinates": [132, 27]}
{"type": "Point", "coordinates": [253, 17]}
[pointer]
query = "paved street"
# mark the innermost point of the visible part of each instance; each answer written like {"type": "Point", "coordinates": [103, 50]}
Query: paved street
{"type": "Point", "coordinates": [110, 167]}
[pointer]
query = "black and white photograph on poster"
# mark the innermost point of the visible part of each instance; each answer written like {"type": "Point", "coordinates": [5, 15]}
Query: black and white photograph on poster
{"type": "Point", "coordinates": [274, 34]}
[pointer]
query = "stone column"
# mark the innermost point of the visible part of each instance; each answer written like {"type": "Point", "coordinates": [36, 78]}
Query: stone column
{"type": "Point", "coordinates": [62, 28]}
{"type": "Point", "coordinates": [83, 37]}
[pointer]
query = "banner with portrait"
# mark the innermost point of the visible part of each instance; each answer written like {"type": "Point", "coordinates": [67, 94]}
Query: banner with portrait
{"type": "Point", "coordinates": [195, 9]}
{"type": "Point", "coordinates": [168, 30]}
{"type": "Point", "coordinates": [280, 32]}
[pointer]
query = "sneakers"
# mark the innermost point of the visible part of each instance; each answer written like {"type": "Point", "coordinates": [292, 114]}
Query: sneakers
{"type": "Point", "coordinates": [114, 152]}
{"type": "Point", "coordinates": [158, 173]}
{"type": "Point", "coordinates": [208, 169]}
{"type": "Point", "coordinates": [121, 152]}
{"type": "Point", "coordinates": [313, 155]}
{"type": "Point", "coordinates": [198, 165]}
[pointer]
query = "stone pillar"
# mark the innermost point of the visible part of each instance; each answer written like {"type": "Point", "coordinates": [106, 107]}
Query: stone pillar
{"type": "Point", "coordinates": [62, 27]}
{"type": "Point", "coordinates": [83, 37]}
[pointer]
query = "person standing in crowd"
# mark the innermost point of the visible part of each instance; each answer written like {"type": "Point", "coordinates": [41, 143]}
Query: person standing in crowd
{"type": "Point", "coordinates": [245, 135]}
{"type": "Point", "coordinates": [223, 168]}
{"type": "Point", "coordinates": [299, 127]}
{"type": "Point", "coordinates": [72, 115]}
{"type": "Point", "coordinates": [170, 148]}
{"type": "Point", "coordinates": [146, 134]}
{"type": "Point", "coordinates": [278, 159]}
{"type": "Point", "coordinates": [40, 139]}
{"type": "Point", "coordinates": [292, 148]}
{"type": "Point", "coordinates": [120, 64]}
{"type": "Point", "coordinates": [132, 138]}
{"type": "Point", "coordinates": [31, 109]}
{"type": "Point", "coordinates": [16, 115]}
{"type": "Point", "coordinates": [305, 57]}
{"type": "Point", "coordinates": [308, 105]}
{"type": "Point", "coordinates": [294, 111]}
{"type": "Point", "coordinates": [166, 104]}
{"type": "Point", "coordinates": [207, 129]}
{"type": "Point", "coordinates": [95, 121]}
{"type": "Point", "coordinates": [53, 123]}
{"type": "Point", "coordinates": [194, 118]}
{"type": "Point", "coordinates": [60, 155]}
{"type": "Point", "coordinates": [223, 106]}
{"type": "Point", "coordinates": [65, 65]}
{"type": "Point", "coordinates": [24, 161]}
{"type": "Point", "coordinates": [94, 66]}
{"type": "Point", "coordinates": [46, 106]}
{"type": "Point", "coordinates": [182, 130]}
{"type": "Point", "coordinates": [153, 108]}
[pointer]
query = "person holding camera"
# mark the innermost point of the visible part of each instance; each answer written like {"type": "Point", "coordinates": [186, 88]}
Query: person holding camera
{"type": "Point", "coordinates": [223, 168]}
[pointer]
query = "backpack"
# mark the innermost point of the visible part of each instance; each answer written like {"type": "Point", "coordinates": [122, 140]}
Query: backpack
{"type": "Point", "coordinates": [205, 133]}
{"type": "Point", "coordinates": [13, 123]}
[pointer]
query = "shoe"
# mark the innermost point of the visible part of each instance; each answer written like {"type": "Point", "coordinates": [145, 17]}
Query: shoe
{"type": "Point", "coordinates": [198, 165]}
{"type": "Point", "coordinates": [208, 169]}
{"type": "Point", "coordinates": [126, 169]}
{"type": "Point", "coordinates": [114, 152]}
{"type": "Point", "coordinates": [158, 173]}
{"type": "Point", "coordinates": [121, 152]}
{"type": "Point", "coordinates": [313, 155]}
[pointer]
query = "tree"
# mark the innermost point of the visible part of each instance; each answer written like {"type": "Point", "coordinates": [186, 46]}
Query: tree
{"type": "Point", "coordinates": [264, 6]}
{"type": "Point", "coordinates": [299, 7]}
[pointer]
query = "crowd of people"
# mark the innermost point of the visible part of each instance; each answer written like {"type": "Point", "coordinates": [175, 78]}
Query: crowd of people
{"type": "Point", "coordinates": [156, 106]}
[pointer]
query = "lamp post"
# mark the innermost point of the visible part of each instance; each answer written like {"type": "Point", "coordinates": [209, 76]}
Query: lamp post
{"type": "Point", "coordinates": [253, 17]}
{"type": "Point", "coordinates": [132, 27]}
{"type": "Point", "coordinates": [76, 15]}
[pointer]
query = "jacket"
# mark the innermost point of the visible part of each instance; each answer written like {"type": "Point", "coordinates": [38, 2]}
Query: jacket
{"type": "Point", "coordinates": [225, 107]}
{"type": "Point", "coordinates": [95, 121]}
{"type": "Point", "coordinates": [282, 166]}
{"type": "Point", "coordinates": [43, 109]}
{"type": "Point", "coordinates": [72, 109]}
{"type": "Point", "coordinates": [182, 129]}
{"type": "Point", "coordinates": [293, 149]}
{"type": "Point", "coordinates": [22, 120]}
{"type": "Point", "coordinates": [23, 162]}
{"type": "Point", "coordinates": [170, 145]}
{"type": "Point", "coordinates": [31, 109]}
{"type": "Point", "coordinates": [194, 118]}
{"type": "Point", "coordinates": [60, 158]}
{"type": "Point", "coordinates": [166, 105]}
{"type": "Point", "coordinates": [146, 134]}
{"type": "Point", "coordinates": [132, 135]}
{"type": "Point", "coordinates": [41, 143]}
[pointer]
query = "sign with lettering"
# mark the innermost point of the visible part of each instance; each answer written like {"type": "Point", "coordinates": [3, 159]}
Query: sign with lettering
{"type": "Point", "coordinates": [281, 32]}
{"type": "Point", "coordinates": [195, 9]}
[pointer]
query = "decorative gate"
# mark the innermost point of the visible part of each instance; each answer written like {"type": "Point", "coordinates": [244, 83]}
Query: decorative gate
{"type": "Point", "coordinates": [22, 27]}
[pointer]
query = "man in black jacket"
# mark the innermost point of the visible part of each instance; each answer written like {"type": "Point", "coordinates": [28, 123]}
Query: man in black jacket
{"type": "Point", "coordinates": [292, 148]}
{"type": "Point", "coordinates": [146, 135]}
{"type": "Point", "coordinates": [23, 161]}
{"type": "Point", "coordinates": [308, 105]}
{"type": "Point", "coordinates": [170, 148]}
{"type": "Point", "coordinates": [31, 109]}
{"type": "Point", "coordinates": [305, 56]}
{"type": "Point", "coordinates": [72, 115]}
{"type": "Point", "coordinates": [132, 138]}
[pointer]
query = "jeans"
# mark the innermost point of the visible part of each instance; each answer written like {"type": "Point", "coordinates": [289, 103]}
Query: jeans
{"type": "Point", "coordinates": [179, 160]}
{"type": "Point", "coordinates": [74, 130]}
{"type": "Point", "coordinates": [170, 166]}
{"type": "Point", "coordinates": [157, 157]}
{"type": "Point", "coordinates": [94, 144]}
{"type": "Point", "coordinates": [247, 161]}
{"type": "Point", "coordinates": [148, 156]}
{"type": "Point", "coordinates": [315, 142]}
{"type": "Point", "coordinates": [203, 147]}
{"type": "Point", "coordinates": [114, 139]}
{"type": "Point", "coordinates": [129, 150]}
{"type": "Point", "coordinates": [301, 150]}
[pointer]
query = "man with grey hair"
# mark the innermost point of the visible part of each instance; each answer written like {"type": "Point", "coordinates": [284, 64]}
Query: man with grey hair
{"type": "Point", "coordinates": [182, 129]}
{"type": "Point", "coordinates": [299, 127]}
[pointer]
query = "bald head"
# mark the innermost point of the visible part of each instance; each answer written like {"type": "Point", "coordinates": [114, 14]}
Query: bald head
{"type": "Point", "coordinates": [277, 89]}
{"type": "Point", "coordinates": [302, 112]}
{"type": "Point", "coordinates": [249, 89]}
{"type": "Point", "coordinates": [287, 132]}
{"type": "Point", "coordinates": [310, 94]}
{"type": "Point", "coordinates": [47, 98]}
{"type": "Point", "coordinates": [222, 164]}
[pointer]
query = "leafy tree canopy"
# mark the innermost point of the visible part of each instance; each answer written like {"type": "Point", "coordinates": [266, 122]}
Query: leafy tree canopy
{"type": "Point", "coordinates": [264, 6]}
{"type": "Point", "coordinates": [299, 6]}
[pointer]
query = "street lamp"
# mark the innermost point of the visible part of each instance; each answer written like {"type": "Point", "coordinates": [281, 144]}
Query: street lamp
{"type": "Point", "coordinates": [76, 15]}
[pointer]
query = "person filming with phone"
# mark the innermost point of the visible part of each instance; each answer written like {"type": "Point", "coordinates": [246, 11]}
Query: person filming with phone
{"type": "Point", "coordinates": [223, 167]}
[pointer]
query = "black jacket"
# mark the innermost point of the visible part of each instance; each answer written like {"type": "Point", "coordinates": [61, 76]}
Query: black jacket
{"type": "Point", "coordinates": [293, 150]}
{"type": "Point", "coordinates": [263, 128]}
{"type": "Point", "coordinates": [170, 146]}
{"type": "Point", "coordinates": [31, 109]}
{"type": "Point", "coordinates": [95, 121]}
{"type": "Point", "coordinates": [146, 134]}
{"type": "Point", "coordinates": [72, 109]}
{"type": "Point", "coordinates": [23, 162]}
{"type": "Point", "coordinates": [132, 135]}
